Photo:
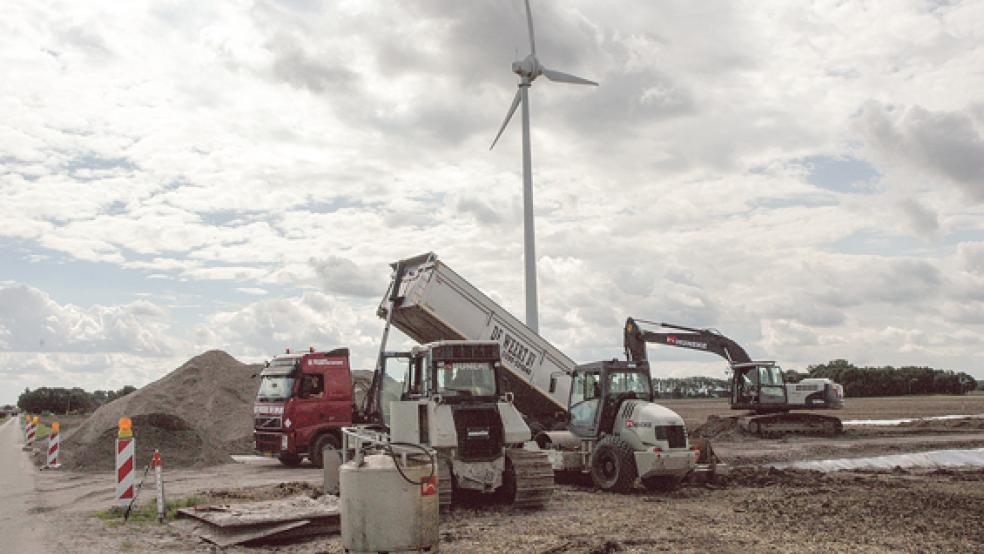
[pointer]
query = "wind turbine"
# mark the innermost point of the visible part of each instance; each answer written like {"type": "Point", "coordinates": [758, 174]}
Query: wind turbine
{"type": "Point", "coordinates": [528, 70]}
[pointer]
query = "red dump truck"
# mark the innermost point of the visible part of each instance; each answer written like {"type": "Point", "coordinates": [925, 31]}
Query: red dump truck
{"type": "Point", "coordinates": [303, 401]}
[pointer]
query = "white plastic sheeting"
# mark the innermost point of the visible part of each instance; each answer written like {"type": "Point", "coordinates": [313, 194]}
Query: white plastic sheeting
{"type": "Point", "coordinates": [907, 420]}
{"type": "Point", "coordinates": [973, 457]}
{"type": "Point", "coordinates": [253, 459]}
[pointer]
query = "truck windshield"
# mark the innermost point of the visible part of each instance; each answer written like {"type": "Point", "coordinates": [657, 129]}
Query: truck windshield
{"type": "Point", "coordinates": [275, 387]}
{"type": "Point", "coordinates": [466, 379]}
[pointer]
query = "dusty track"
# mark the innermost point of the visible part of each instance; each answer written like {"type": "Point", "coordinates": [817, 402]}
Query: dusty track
{"type": "Point", "coordinates": [18, 527]}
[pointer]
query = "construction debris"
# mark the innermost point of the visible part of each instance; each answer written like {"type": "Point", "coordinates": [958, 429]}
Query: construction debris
{"type": "Point", "coordinates": [269, 521]}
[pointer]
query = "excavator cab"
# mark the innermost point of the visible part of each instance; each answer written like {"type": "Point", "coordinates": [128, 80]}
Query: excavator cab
{"type": "Point", "coordinates": [758, 386]}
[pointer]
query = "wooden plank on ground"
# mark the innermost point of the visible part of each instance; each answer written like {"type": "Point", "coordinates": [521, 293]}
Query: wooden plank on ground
{"type": "Point", "coordinates": [259, 513]}
{"type": "Point", "coordinates": [230, 536]}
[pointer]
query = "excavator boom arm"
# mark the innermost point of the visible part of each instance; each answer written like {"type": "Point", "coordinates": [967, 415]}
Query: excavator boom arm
{"type": "Point", "coordinates": [694, 339]}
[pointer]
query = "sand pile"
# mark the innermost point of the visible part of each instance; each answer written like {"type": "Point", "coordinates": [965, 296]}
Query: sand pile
{"type": "Point", "coordinates": [198, 414]}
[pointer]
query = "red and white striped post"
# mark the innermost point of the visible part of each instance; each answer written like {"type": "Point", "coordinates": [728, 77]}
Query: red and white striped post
{"type": "Point", "coordinates": [124, 462]}
{"type": "Point", "coordinates": [54, 443]}
{"type": "Point", "coordinates": [32, 428]}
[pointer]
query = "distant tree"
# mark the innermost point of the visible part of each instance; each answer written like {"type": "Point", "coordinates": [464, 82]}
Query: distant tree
{"type": "Point", "coordinates": [889, 381]}
{"type": "Point", "coordinates": [60, 400]}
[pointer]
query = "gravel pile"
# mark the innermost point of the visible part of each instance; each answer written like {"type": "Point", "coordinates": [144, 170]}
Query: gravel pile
{"type": "Point", "coordinates": [197, 415]}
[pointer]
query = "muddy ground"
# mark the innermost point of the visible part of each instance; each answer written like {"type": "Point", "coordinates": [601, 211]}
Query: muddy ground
{"type": "Point", "coordinates": [754, 510]}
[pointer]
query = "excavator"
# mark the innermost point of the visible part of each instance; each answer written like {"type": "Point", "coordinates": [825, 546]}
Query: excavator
{"type": "Point", "coordinates": [757, 387]}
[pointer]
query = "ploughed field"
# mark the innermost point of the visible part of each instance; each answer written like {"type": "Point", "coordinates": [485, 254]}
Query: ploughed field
{"type": "Point", "coordinates": [756, 509]}
{"type": "Point", "coordinates": [694, 411]}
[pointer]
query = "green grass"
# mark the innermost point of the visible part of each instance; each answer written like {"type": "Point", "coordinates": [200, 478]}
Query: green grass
{"type": "Point", "coordinates": [147, 513]}
{"type": "Point", "coordinates": [42, 432]}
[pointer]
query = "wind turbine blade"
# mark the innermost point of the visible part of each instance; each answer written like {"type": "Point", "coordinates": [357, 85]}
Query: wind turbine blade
{"type": "Point", "coordinates": [512, 110]}
{"type": "Point", "coordinates": [562, 77]}
{"type": "Point", "coordinates": [529, 23]}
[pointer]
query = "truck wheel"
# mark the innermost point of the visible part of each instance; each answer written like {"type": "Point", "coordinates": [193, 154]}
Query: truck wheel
{"type": "Point", "coordinates": [317, 460]}
{"type": "Point", "coordinates": [613, 465]}
{"type": "Point", "coordinates": [661, 483]}
{"type": "Point", "coordinates": [289, 460]}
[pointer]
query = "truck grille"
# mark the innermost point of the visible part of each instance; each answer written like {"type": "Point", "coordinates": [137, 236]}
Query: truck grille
{"type": "Point", "coordinates": [266, 422]}
{"type": "Point", "coordinates": [267, 442]}
{"type": "Point", "coordinates": [479, 433]}
{"type": "Point", "coordinates": [676, 435]}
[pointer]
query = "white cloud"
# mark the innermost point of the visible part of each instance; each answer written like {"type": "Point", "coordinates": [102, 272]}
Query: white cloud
{"type": "Point", "coordinates": [254, 291]}
{"type": "Point", "coordinates": [297, 146]}
{"type": "Point", "coordinates": [260, 329]}
{"type": "Point", "coordinates": [30, 321]}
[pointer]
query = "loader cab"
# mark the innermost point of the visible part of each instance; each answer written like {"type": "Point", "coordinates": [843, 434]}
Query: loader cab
{"type": "Point", "coordinates": [599, 388]}
{"type": "Point", "coordinates": [758, 386]}
{"type": "Point", "coordinates": [456, 372]}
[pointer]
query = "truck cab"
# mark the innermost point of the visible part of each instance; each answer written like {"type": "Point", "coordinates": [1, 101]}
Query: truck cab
{"type": "Point", "coordinates": [303, 401]}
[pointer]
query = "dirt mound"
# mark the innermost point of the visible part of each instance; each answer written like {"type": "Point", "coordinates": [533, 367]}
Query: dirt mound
{"type": "Point", "coordinates": [198, 414]}
{"type": "Point", "coordinates": [961, 423]}
{"type": "Point", "coordinates": [722, 428]}
{"type": "Point", "coordinates": [767, 477]}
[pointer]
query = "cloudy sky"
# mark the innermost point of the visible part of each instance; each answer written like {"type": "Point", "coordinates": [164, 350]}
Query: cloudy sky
{"type": "Point", "coordinates": [179, 176]}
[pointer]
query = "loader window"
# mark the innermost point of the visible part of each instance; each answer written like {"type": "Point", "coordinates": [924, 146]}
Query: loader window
{"type": "Point", "coordinates": [585, 393]}
{"type": "Point", "coordinates": [466, 379]}
{"type": "Point", "coordinates": [629, 382]}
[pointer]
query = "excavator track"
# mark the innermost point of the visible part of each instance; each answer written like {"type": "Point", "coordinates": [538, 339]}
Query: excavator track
{"type": "Point", "coordinates": [791, 423]}
{"type": "Point", "coordinates": [445, 486]}
{"type": "Point", "coordinates": [534, 478]}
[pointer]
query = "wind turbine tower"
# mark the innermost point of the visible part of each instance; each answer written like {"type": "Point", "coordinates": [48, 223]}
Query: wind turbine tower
{"type": "Point", "coordinates": [528, 70]}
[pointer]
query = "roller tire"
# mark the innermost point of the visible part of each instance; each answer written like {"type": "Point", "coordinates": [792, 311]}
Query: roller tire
{"type": "Point", "coordinates": [613, 466]}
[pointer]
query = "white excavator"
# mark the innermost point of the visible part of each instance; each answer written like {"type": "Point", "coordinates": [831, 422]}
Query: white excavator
{"type": "Point", "coordinates": [757, 387]}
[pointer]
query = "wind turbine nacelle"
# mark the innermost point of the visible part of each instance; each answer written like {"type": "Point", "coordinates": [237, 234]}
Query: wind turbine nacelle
{"type": "Point", "coordinates": [529, 67]}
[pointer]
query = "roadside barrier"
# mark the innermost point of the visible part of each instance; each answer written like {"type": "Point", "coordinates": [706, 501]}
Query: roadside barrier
{"type": "Point", "coordinates": [54, 443]}
{"type": "Point", "coordinates": [125, 448]}
{"type": "Point", "coordinates": [32, 427]}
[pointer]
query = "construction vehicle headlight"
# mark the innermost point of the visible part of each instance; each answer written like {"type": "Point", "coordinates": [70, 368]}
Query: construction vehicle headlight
{"type": "Point", "coordinates": [283, 442]}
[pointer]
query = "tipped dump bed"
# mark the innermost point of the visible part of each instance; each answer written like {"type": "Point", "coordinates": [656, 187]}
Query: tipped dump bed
{"type": "Point", "coordinates": [435, 303]}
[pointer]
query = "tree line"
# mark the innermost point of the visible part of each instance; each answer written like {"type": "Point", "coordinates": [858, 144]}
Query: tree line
{"type": "Point", "coordinates": [60, 400]}
{"type": "Point", "coordinates": [888, 380]}
{"type": "Point", "coordinates": [690, 387]}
